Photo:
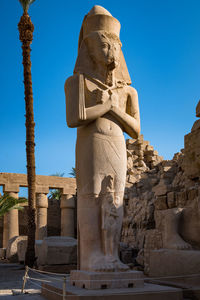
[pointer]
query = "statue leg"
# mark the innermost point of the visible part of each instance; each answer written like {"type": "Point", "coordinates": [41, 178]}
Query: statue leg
{"type": "Point", "coordinates": [171, 237]}
{"type": "Point", "coordinates": [91, 245]}
{"type": "Point", "coordinates": [89, 227]}
{"type": "Point", "coordinates": [119, 266]}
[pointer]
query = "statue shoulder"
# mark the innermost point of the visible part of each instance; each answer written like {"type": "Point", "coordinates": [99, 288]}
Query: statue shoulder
{"type": "Point", "coordinates": [131, 90]}
{"type": "Point", "coordinates": [72, 81]}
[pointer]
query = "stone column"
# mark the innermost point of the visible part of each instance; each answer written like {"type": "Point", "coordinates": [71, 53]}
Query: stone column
{"type": "Point", "coordinates": [5, 230]}
{"type": "Point", "coordinates": [67, 206]}
{"type": "Point", "coordinates": [11, 223]}
{"type": "Point", "coordinates": [42, 205]}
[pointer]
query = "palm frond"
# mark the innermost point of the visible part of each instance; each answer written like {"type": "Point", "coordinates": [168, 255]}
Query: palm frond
{"type": "Point", "coordinates": [55, 194]}
{"type": "Point", "coordinates": [7, 203]}
{"type": "Point", "coordinates": [73, 172]}
{"type": "Point", "coordinates": [26, 3]}
{"type": "Point", "coordinates": [58, 174]}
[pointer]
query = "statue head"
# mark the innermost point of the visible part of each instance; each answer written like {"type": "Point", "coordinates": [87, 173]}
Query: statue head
{"type": "Point", "coordinates": [104, 48]}
{"type": "Point", "coordinates": [99, 43]}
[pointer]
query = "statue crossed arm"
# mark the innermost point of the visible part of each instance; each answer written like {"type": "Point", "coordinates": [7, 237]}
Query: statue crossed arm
{"type": "Point", "coordinates": [128, 116]}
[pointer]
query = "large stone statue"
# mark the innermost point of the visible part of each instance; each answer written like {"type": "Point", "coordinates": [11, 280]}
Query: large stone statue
{"type": "Point", "coordinates": [102, 105]}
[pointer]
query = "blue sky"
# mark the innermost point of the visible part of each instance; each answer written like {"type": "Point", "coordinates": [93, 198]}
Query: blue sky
{"type": "Point", "coordinates": [161, 45]}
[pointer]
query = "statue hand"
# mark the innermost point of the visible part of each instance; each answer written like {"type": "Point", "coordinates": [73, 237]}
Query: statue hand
{"type": "Point", "coordinates": [114, 101]}
{"type": "Point", "coordinates": [101, 96]}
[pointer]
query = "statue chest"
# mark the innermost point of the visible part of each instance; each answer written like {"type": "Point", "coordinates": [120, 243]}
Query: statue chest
{"type": "Point", "coordinates": [94, 94]}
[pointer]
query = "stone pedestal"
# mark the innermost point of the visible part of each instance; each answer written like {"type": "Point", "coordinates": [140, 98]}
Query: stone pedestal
{"type": "Point", "coordinates": [67, 206]}
{"type": "Point", "coordinates": [106, 280]}
{"type": "Point", "coordinates": [11, 223]}
{"type": "Point", "coordinates": [42, 205]}
{"type": "Point", "coordinates": [51, 291]}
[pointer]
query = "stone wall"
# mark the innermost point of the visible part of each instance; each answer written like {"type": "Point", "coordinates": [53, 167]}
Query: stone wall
{"type": "Point", "coordinates": [154, 188]}
{"type": "Point", "coordinates": [192, 149]}
{"type": "Point", "coordinates": [142, 176]}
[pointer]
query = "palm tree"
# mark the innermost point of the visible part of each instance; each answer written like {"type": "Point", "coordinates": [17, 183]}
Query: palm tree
{"type": "Point", "coordinates": [73, 172]}
{"type": "Point", "coordinates": [7, 203]}
{"type": "Point", "coordinates": [26, 28]}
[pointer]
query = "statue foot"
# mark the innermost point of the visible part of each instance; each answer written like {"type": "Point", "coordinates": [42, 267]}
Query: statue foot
{"type": "Point", "coordinates": [109, 264]}
{"type": "Point", "coordinates": [177, 243]}
{"type": "Point", "coordinates": [103, 264]}
{"type": "Point", "coordinates": [104, 268]}
{"type": "Point", "coordinates": [120, 267]}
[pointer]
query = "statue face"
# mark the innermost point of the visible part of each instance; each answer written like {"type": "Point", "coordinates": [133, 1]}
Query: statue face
{"type": "Point", "coordinates": [105, 51]}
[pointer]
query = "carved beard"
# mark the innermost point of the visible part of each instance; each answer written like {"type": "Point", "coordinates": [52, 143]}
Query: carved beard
{"type": "Point", "coordinates": [109, 77]}
{"type": "Point", "coordinates": [109, 74]}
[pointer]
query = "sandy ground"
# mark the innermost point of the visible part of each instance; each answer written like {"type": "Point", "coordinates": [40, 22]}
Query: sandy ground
{"type": "Point", "coordinates": [11, 280]}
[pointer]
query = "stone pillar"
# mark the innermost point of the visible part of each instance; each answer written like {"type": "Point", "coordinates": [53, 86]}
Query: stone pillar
{"type": "Point", "coordinates": [42, 205]}
{"type": "Point", "coordinates": [67, 206]}
{"type": "Point", "coordinates": [5, 230]}
{"type": "Point", "coordinates": [11, 223]}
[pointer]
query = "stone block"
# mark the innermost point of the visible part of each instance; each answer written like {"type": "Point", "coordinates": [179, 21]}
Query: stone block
{"type": "Point", "coordinates": [106, 280]}
{"type": "Point", "coordinates": [153, 164]}
{"type": "Point", "coordinates": [181, 198]}
{"type": "Point", "coordinates": [131, 146]}
{"type": "Point", "coordinates": [62, 269]}
{"type": "Point", "coordinates": [38, 244]}
{"type": "Point", "coordinates": [165, 262]}
{"type": "Point", "coordinates": [130, 141]}
{"type": "Point", "coordinates": [21, 249]}
{"type": "Point", "coordinates": [129, 163]}
{"type": "Point", "coordinates": [161, 189]}
{"type": "Point", "coordinates": [171, 201]}
{"type": "Point", "coordinates": [190, 225]}
{"type": "Point", "coordinates": [196, 126]}
{"type": "Point", "coordinates": [160, 202]}
{"type": "Point", "coordinates": [139, 153]}
{"type": "Point", "coordinates": [192, 194]}
{"type": "Point", "coordinates": [11, 250]}
{"type": "Point", "coordinates": [153, 240]}
{"type": "Point", "coordinates": [134, 158]}
{"type": "Point", "coordinates": [140, 138]}
{"type": "Point", "coordinates": [134, 178]}
{"type": "Point", "coordinates": [2, 253]}
{"type": "Point", "coordinates": [146, 143]}
{"type": "Point", "coordinates": [57, 250]}
{"type": "Point", "coordinates": [129, 153]}
{"type": "Point", "coordinates": [151, 152]}
{"type": "Point", "coordinates": [191, 161]}
{"type": "Point", "coordinates": [149, 148]}
{"type": "Point", "coordinates": [148, 291]}
{"type": "Point", "coordinates": [149, 158]}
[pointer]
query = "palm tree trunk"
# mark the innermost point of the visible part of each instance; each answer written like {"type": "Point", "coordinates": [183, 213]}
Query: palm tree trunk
{"type": "Point", "coordinates": [26, 28]}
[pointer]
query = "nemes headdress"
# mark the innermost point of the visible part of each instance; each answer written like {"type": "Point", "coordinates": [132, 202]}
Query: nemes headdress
{"type": "Point", "coordinates": [99, 20]}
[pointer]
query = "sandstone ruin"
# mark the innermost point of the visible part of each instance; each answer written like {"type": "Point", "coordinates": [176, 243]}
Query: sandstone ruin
{"type": "Point", "coordinates": [162, 204]}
